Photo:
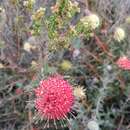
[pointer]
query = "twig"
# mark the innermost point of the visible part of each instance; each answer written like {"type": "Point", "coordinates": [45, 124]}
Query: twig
{"type": "Point", "coordinates": [120, 123]}
{"type": "Point", "coordinates": [30, 117]}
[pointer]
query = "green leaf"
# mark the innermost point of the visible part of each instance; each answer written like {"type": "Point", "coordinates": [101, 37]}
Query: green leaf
{"type": "Point", "coordinates": [2, 44]}
{"type": "Point", "coordinates": [48, 70]}
{"type": "Point", "coordinates": [19, 85]}
{"type": "Point", "coordinates": [35, 83]}
{"type": "Point", "coordinates": [76, 43]}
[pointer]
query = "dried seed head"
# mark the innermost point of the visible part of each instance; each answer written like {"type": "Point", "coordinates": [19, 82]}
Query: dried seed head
{"type": "Point", "coordinates": [119, 34]}
{"type": "Point", "coordinates": [79, 92]}
{"type": "Point", "coordinates": [93, 125]}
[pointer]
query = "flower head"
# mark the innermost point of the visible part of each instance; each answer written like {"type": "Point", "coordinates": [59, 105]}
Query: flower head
{"type": "Point", "coordinates": [79, 92]}
{"type": "Point", "coordinates": [54, 98]}
{"type": "Point", "coordinates": [55, 8]}
{"type": "Point", "coordinates": [28, 3]}
{"type": "Point", "coordinates": [74, 5]}
{"type": "Point", "coordinates": [76, 53]}
{"type": "Point", "coordinates": [66, 65]}
{"type": "Point", "coordinates": [28, 46]}
{"type": "Point", "coordinates": [119, 34]}
{"type": "Point", "coordinates": [124, 63]}
{"type": "Point", "coordinates": [128, 20]}
{"type": "Point", "coordinates": [91, 21]}
{"type": "Point", "coordinates": [38, 14]}
{"type": "Point", "coordinates": [1, 66]}
{"type": "Point", "coordinates": [19, 91]}
{"type": "Point", "coordinates": [2, 10]}
{"type": "Point", "coordinates": [93, 125]}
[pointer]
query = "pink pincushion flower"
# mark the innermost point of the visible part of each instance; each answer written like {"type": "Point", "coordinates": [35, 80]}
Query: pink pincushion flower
{"type": "Point", "coordinates": [124, 63]}
{"type": "Point", "coordinates": [54, 98]}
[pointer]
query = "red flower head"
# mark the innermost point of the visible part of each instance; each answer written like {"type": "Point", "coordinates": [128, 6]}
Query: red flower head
{"type": "Point", "coordinates": [124, 63]}
{"type": "Point", "coordinates": [54, 98]}
{"type": "Point", "coordinates": [19, 91]}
